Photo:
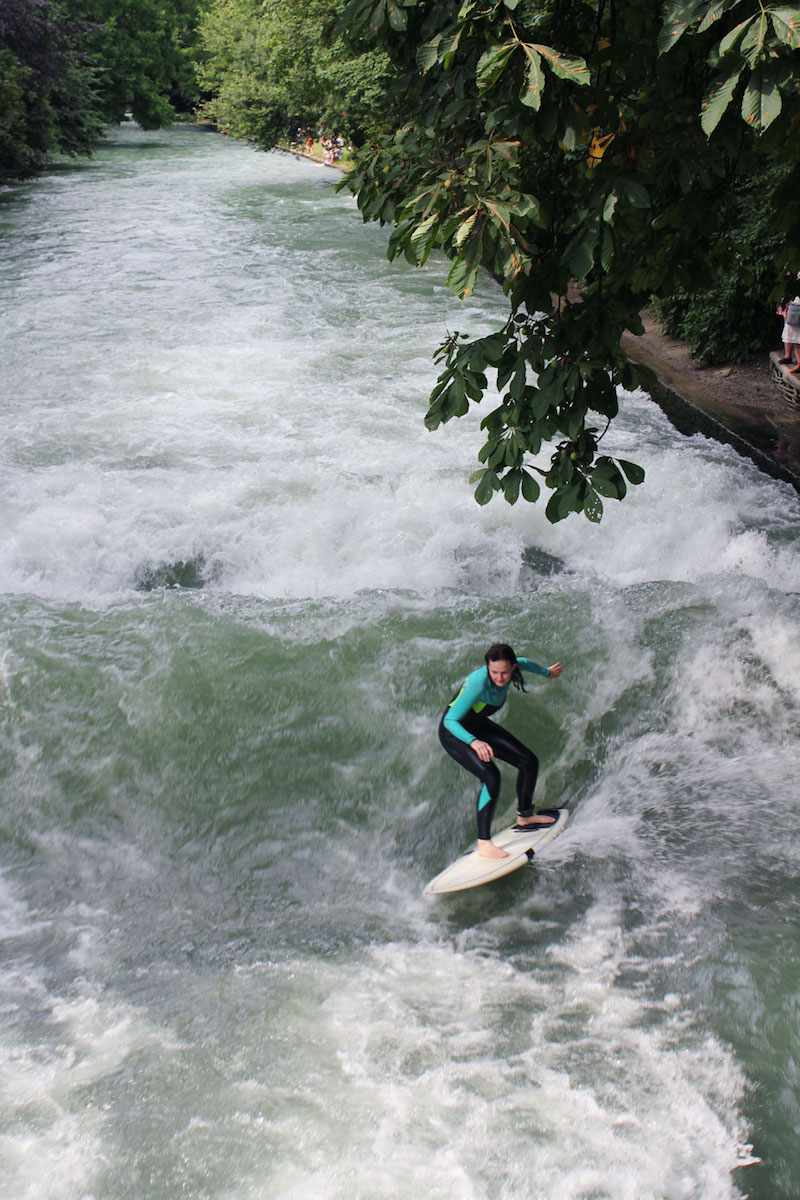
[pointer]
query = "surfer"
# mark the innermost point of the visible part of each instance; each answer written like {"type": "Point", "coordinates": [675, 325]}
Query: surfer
{"type": "Point", "coordinates": [474, 741]}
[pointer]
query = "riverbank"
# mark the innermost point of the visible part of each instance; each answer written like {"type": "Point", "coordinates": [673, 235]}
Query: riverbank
{"type": "Point", "coordinates": [737, 404]}
{"type": "Point", "coordinates": [316, 156]}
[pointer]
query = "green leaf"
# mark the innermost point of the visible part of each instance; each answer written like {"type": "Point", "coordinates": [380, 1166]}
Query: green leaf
{"type": "Point", "coordinates": [518, 380]}
{"type": "Point", "coordinates": [464, 229]}
{"type": "Point", "coordinates": [753, 42]}
{"type": "Point", "coordinates": [730, 39]}
{"type": "Point", "coordinates": [450, 44]}
{"type": "Point", "coordinates": [574, 70]}
{"type": "Point", "coordinates": [463, 276]}
{"type": "Point", "coordinates": [713, 13]}
{"type": "Point", "coordinates": [497, 453]}
{"type": "Point", "coordinates": [604, 467]}
{"type": "Point", "coordinates": [761, 102]}
{"type": "Point", "coordinates": [491, 64]}
{"type": "Point", "coordinates": [676, 20]}
{"type": "Point", "coordinates": [511, 485]}
{"type": "Point", "coordinates": [579, 254]}
{"type": "Point", "coordinates": [606, 487]}
{"type": "Point", "coordinates": [488, 485]}
{"type": "Point", "coordinates": [607, 479]}
{"type": "Point", "coordinates": [607, 249]}
{"type": "Point", "coordinates": [529, 206]}
{"type": "Point", "coordinates": [569, 500]}
{"type": "Point", "coordinates": [716, 100]}
{"type": "Point", "coordinates": [531, 94]}
{"type": "Point", "coordinates": [593, 507]}
{"type": "Point", "coordinates": [553, 511]}
{"type": "Point", "coordinates": [635, 193]}
{"type": "Point", "coordinates": [530, 488]}
{"type": "Point", "coordinates": [398, 17]}
{"type": "Point", "coordinates": [541, 403]}
{"type": "Point", "coordinates": [633, 471]}
{"type": "Point", "coordinates": [500, 213]}
{"type": "Point", "coordinates": [428, 54]}
{"type": "Point", "coordinates": [608, 208]}
{"type": "Point", "coordinates": [581, 258]}
{"type": "Point", "coordinates": [786, 23]}
{"type": "Point", "coordinates": [492, 347]}
{"type": "Point", "coordinates": [423, 237]}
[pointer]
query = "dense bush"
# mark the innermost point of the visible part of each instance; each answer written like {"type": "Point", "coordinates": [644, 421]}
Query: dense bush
{"type": "Point", "coordinates": [734, 319]}
{"type": "Point", "coordinates": [46, 99]}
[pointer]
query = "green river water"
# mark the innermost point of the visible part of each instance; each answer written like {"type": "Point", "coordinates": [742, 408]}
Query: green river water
{"type": "Point", "coordinates": [238, 583]}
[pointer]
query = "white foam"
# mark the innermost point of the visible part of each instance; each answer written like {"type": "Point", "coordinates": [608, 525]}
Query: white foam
{"type": "Point", "coordinates": [54, 1143]}
{"type": "Point", "coordinates": [581, 1090]}
{"type": "Point", "coordinates": [685, 522]}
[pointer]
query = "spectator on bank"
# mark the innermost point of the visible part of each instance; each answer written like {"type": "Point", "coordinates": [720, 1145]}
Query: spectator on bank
{"type": "Point", "coordinates": [790, 311]}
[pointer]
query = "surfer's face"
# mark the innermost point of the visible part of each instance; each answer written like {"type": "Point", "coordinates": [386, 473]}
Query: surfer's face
{"type": "Point", "coordinates": [500, 672]}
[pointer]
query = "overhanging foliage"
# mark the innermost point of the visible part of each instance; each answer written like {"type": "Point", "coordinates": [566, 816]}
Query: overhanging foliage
{"type": "Point", "coordinates": [561, 143]}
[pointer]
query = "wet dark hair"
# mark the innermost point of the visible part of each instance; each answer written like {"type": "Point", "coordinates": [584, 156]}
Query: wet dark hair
{"type": "Point", "coordinates": [501, 652]}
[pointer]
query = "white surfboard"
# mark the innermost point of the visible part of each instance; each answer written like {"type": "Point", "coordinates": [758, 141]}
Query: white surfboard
{"type": "Point", "coordinates": [470, 870]}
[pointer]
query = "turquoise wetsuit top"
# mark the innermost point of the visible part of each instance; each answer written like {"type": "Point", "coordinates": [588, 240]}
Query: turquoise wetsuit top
{"type": "Point", "coordinates": [477, 693]}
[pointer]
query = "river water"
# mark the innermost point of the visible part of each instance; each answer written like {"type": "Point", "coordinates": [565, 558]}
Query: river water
{"type": "Point", "coordinates": [239, 582]}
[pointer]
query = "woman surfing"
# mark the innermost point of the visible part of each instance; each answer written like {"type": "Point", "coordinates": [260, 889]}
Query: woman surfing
{"type": "Point", "coordinates": [474, 741]}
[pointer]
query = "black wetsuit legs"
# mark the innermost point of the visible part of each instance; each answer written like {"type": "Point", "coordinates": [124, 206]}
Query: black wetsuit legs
{"type": "Point", "coordinates": [508, 749]}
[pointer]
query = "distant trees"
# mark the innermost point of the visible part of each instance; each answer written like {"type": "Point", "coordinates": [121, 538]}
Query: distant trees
{"type": "Point", "coordinates": [143, 53]}
{"type": "Point", "coordinates": [263, 68]}
{"type": "Point", "coordinates": [69, 67]}
{"type": "Point", "coordinates": [273, 66]}
{"type": "Point", "coordinates": [46, 98]}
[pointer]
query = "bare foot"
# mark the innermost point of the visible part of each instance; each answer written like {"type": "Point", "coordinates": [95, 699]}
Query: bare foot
{"type": "Point", "coordinates": [538, 821]}
{"type": "Point", "coordinates": [489, 850]}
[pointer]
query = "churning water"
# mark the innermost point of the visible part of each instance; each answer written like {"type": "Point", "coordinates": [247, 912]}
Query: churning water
{"type": "Point", "coordinates": [239, 582]}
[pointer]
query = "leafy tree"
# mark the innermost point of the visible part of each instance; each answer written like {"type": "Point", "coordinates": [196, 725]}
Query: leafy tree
{"type": "Point", "coordinates": [46, 101]}
{"type": "Point", "coordinates": [69, 67]}
{"type": "Point", "coordinates": [271, 67]}
{"type": "Point", "coordinates": [735, 318]}
{"type": "Point", "coordinates": [564, 142]}
{"type": "Point", "coordinates": [144, 52]}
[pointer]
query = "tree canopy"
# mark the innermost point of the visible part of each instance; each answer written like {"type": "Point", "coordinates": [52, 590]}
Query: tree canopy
{"type": "Point", "coordinates": [143, 53]}
{"type": "Point", "coordinates": [70, 67]}
{"type": "Point", "coordinates": [46, 98]}
{"type": "Point", "coordinates": [580, 152]}
{"type": "Point", "coordinates": [273, 66]}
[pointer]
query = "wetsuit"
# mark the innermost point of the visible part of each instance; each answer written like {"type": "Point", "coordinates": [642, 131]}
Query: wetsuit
{"type": "Point", "coordinates": [467, 718]}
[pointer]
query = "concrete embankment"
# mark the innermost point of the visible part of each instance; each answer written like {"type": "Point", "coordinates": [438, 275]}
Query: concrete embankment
{"type": "Point", "coordinates": [756, 418]}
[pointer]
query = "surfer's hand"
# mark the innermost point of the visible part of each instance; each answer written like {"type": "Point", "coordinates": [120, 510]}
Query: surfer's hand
{"type": "Point", "coordinates": [555, 670]}
{"type": "Point", "coordinates": [483, 750]}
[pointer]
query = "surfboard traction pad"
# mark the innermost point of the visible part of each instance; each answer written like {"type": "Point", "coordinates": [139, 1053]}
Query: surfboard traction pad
{"type": "Point", "coordinates": [470, 870]}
